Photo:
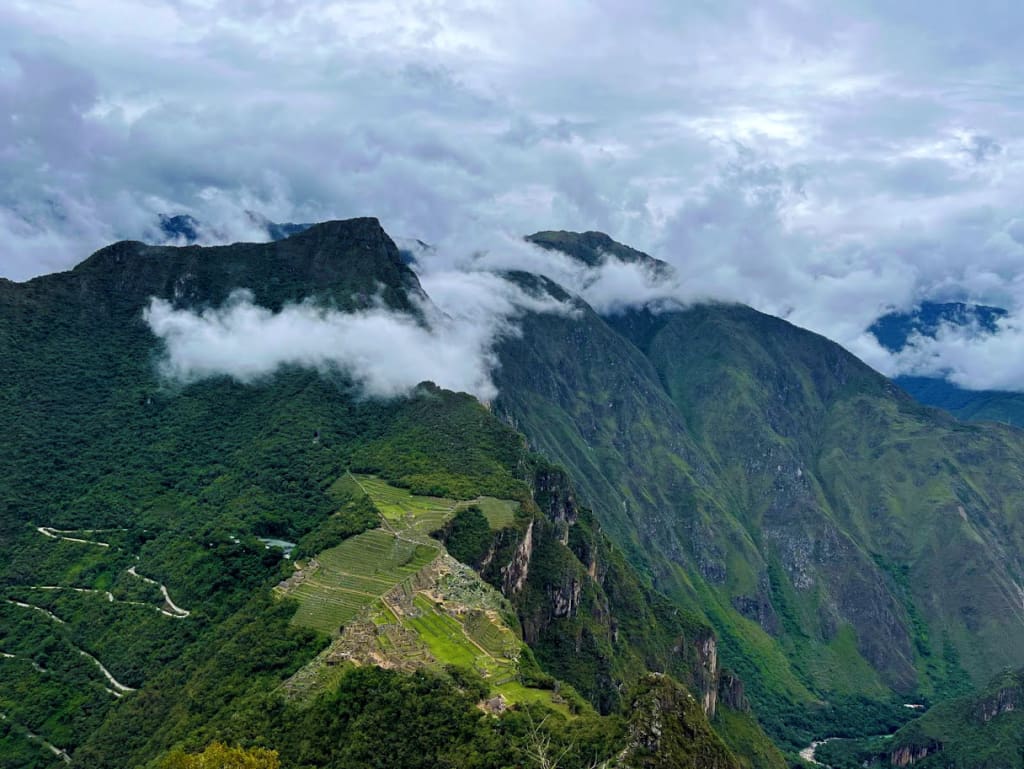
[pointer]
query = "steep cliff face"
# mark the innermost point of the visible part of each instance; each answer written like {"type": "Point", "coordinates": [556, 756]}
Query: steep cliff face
{"type": "Point", "coordinates": [668, 728]}
{"type": "Point", "coordinates": [731, 692]}
{"type": "Point", "coordinates": [906, 756]}
{"type": "Point", "coordinates": [517, 571]}
{"type": "Point", "coordinates": [708, 672]}
{"type": "Point", "coordinates": [1006, 696]}
{"type": "Point", "coordinates": [584, 610]}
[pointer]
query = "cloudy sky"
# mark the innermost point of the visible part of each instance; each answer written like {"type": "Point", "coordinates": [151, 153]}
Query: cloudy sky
{"type": "Point", "coordinates": [822, 161]}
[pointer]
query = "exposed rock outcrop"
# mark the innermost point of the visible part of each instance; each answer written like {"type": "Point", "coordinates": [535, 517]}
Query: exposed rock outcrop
{"type": "Point", "coordinates": [731, 692]}
{"type": "Point", "coordinates": [515, 574]}
{"type": "Point", "coordinates": [910, 754]}
{"type": "Point", "coordinates": [707, 672]}
{"type": "Point", "coordinates": [668, 729]}
{"type": "Point", "coordinates": [1005, 700]}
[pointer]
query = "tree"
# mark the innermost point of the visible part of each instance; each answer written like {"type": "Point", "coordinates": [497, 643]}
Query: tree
{"type": "Point", "coordinates": [220, 756]}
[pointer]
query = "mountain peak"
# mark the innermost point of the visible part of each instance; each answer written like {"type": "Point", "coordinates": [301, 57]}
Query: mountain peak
{"type": "Point", "coordinates": [360, 227]}
{"type": "Point", "coordinates": [349, 260]}
{"type": "Point", "coordinates": [593, 248]}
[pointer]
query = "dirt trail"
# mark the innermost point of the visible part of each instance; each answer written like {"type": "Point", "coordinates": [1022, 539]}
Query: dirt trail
{"type": "Point", "coordinates": [49, 614]}
{"type": "Point", "coordinates": [38, 668]}
{"type": "Point", "coordinates": [107, 593]}
{"type": "Point", "coordinates": [175, 611]}
{"type": "Point", "coordinates": [109, 596]}
{"type": "Point", "coordinates": [118, 686]}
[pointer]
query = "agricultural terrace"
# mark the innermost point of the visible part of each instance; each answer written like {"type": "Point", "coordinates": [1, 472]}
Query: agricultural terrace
{"type": "Point", "coordinates": [358, 578]}
{"type": "Point", "coordinates": [354, 574]}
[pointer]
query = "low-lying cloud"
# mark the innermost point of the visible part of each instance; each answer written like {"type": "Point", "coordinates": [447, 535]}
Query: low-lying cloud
{"type": "Point", "coordinates": [609, 287]}
{"type": "Point", "coordinates": [966, 355]}
{"type": "Point", "coordinates": [386, 353]}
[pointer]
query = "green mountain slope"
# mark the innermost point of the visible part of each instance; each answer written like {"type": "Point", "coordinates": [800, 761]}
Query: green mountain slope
{"type": "Point", "coordinates": [845, 542]}
{"type": "Point", "coordinates": [969, 405]}
{"type": "Point", "coordinates": [139, 606]}
{"type": "Point", "coordinates": [894, 330]}
{"type": "Point", "coordinates": [983, 730]}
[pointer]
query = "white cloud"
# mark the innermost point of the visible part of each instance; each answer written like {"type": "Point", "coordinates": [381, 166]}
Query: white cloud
{"type": "Point", "coordinates": [386, 353]}
{"type": "Point", "coordinates": [967, 355]}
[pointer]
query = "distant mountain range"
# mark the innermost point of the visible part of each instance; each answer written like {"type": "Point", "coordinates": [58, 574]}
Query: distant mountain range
{"type": "Point", "coordinates": [895, 329]}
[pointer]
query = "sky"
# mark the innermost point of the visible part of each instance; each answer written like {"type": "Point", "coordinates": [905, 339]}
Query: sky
{"type": "Point", "coordinates": [826, 162]}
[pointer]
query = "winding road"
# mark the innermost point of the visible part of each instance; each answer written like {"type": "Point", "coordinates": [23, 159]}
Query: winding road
{"type": "Point", "coordinates": [115, 688]}
{"type": "Point", "coordinates": [175, 611]}
{"type": "Point", "coordinates": [58, 752]}
{"type": "Point", "coordinates": [119, 688]}
{"type": "Point", "coordinates": [48, 531]}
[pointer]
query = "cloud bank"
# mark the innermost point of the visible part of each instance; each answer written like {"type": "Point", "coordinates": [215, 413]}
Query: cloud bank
{"type": "Point", "coordinates": [384, 352]}
{"type": "Point", "coordinates": [966, 355]}
{"type": "Point", "coordinates": [823, 164]}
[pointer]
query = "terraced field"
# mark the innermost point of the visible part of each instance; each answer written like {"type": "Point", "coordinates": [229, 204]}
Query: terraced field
{"type": "Point", "coordinates": [354, 574]}
{"type": "Point", "coordinates": [427, 514]}
{"type": "Point", "coordinates": [497, 640]}
{"type": "Point", "coordinates": [477, 642]}
{"type": "Point", "coordinates": [402, 509]}
{"type": "Point", "coordinates": [353, 578]}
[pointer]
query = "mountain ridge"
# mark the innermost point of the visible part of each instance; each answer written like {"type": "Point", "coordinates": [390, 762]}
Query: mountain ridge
{"type": "Point", "coordinates": [771, 423]}
{"type": "Point", "coordinates": [712, 488]}
{"type": "Point", "coordinates": [185, 479]}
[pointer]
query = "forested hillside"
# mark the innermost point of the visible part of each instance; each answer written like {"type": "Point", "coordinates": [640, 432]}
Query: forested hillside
{"type": "Point", "coordinates": [148, 605]}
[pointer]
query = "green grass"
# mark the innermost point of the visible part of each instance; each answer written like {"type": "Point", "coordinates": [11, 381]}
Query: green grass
{"type": "Point", "coordinates": [500, 513]}
{"type": "Point", "coordinates": [497, 640]}
{"type": "Point", "coordinates": [354, 574]}
{"type": "Point", "coordinates": [402, 508]}
{"type": "Point", "coordinates": [464, 641]}
{"type": "Point", "coordinates": [400, 505]}
{"type": "Point", "coordinates": [444, 637]}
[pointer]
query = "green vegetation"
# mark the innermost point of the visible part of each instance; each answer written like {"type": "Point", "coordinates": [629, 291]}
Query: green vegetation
{"type": "Point", "coordinates": [468, 535]}
{"type": "Point", "coordinates": [667, 729]}
{"type": "Point", "coordinates": [356, 514]}
{"type": "Point", "coordinates": [402, 507]}
{"type": "Point", "coordinates": [220, 756]}
{"type": "Point", "coordinates": [747, 741]}
{"type": "Point", "coordinates": [787, 495]}
{"type": "Point", "coordinates": [984, 730]}
{"type": "Point", "coordinates": [500, 513]}
{"type": "Point", "coordinates": [185, 478]}
{"type": "Point", "coordinates": [463, 622]}
{"type": "Point", "coordinates": [739, 489]}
